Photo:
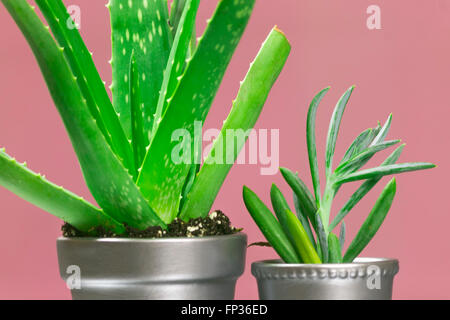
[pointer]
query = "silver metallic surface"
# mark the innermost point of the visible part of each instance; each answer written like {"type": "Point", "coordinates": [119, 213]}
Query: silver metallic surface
{"type": "Point", "coordinates": [364, 279]}
{"type": "Point", "coordinates": [172, 268]}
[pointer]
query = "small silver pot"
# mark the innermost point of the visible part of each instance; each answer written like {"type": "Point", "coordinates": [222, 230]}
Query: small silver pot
{"type": "Point", "coordinates": [364, 279]}
{"type": "Point", "coordinates": [172, 268]}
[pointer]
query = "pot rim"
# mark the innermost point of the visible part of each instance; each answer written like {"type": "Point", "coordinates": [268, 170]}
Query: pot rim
{"type": "Point", "coordinates": [158, 240]}
{"type": "Point", "coordinates": [358, 262]}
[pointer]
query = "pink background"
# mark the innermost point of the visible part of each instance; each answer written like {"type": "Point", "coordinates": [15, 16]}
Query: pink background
{"type": "Point", "coordinates": [403, 68]}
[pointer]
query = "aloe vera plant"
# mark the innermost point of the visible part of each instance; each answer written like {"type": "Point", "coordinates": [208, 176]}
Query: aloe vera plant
{"type": "Point", "coordinates": [163, 80]}
{"type": "Point", "coordinates": [309, 237]}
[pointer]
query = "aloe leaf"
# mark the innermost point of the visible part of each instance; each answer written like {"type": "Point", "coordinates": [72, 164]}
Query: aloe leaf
{"type": "Point", "coordinates": [306, 199]}
{"type": "Point", "coordinates": [177, 59]}
{"type": "Point", "coordinates": [311, 142]}
{"type": "Point", "coordinates": [188, 184]}
{"type": "Point", "coordinates": [246, 109]}
{"type": "Point", "coordinates": [384, 171]}
{"type": "Point", "coordinates": [270, 227]}
{"type": "Point", "coordinates": [139, 137]}
{"type": "Point", "coordinates": [190, 103]}
{"type": "Point", "coordinates": [322, 238]}
{"type": "Point", "coordinates": [301, 240]}
{"type": "Point", "coordinates": [61, 203]}
{"type": "Point", "coordinates": [303, 219]}
{"type": "Point", "coordinates": [372, 223]}
{"type": "Point", "coordinates": [176, 11]}
{"type": "Point", "coordinates": [361, 159]}
{"type": "Point", "coordinates": [334, 249]}
{"type": "Point", "coordinates": [364, 189]}
{"type": "Point", "coordinates": [383, 132]}
{"type": "Point", "coordinates": [140, 27]}
{"type": "Point", "coordinates": [109, 182]}
{"type": "Point", "coordinates": [91, 85]}
{"type": "Point", "coordinates": [334, 129]}
{"type": "Point", "coordinates": [342, 234]}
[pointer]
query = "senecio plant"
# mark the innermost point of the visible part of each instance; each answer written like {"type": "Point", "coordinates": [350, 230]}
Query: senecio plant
{"type": "Point", "coordinates": [293, 236]}
{"type": "Point", "coordinates": [163, 80]}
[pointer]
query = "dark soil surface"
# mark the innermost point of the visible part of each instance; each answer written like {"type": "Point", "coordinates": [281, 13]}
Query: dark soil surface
{"type": "Point", "coordinates": [216, 224]}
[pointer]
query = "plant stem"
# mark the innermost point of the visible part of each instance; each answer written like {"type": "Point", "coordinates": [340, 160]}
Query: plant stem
{"type": "Point", "coordinates": [326, 202]}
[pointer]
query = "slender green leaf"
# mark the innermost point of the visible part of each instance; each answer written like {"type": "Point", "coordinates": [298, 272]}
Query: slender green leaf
{"type": "Point", "coordinates": [372, 223]}
{"type": "Point", "coordinates": [61, 203]}
{"type": "Point", "coordinates": [334, 249]}
{"type": "Point", "coordinates": [334, 129]}
{"type": "Point", "coordinates": [88, 79]}
{"type": "Point", "coordinates": [280, 207]}
{"type": "Point", "coordinates": [322, 238]}
{"type": "Point", "coordinates": [301, 240]}
{"type": "Point", "coordinates": [270, 227]}
{"type": "Point", "coordinates": [303, 219]}
{"type": "Point", "coordinates": [109, 182]}
{"type": "Point", "coordinates": [246, 109]}
{"type": "Point", "coordinates": [361, 159]}
{"type": "Point", "coordinates": [364, 189]}
{"type": "Point", "coordinates": [306, 199]}
{"type": "Point", "coordinates": [319, 251]}
{"type": "Point", "coordinates": [383, 132]}
{"type": "Point", "coordinates": [360, 143]}
{"type": "Point", "coordinates": [311, 142]}
{"type": "Point", "coordinates": [384, 171]}
{"type": "Point", "coordinates": [342, 234]}
{"type": "Point", "coordinates": [140, 27]}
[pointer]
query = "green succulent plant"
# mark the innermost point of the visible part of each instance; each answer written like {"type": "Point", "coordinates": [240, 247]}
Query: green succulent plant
{"type": "Point", "coordinates": [308, 237]}
{"type": "Point", "coordinates": [163, 80]}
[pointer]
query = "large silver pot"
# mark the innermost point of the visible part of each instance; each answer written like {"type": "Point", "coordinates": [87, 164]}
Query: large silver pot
{"type": "Point", "coordinates": [172, 268]}
{"type": "Point", "coordinates": [364, 279]}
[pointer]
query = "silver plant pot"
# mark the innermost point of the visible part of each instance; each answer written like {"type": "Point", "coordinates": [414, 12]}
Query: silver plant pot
{"type": "Point", "coordinates": [364, 279]}
{"type": "Point", "coordinates": [172, 268]}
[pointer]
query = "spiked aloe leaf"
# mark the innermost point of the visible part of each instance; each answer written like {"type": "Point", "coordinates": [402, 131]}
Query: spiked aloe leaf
{"type": "Point", "coordinates": [334, 129]}
{"type": "Point", "coordinates": [364, 189]}
{"type": "Point", "coordinates": [109, 182]}
{"type": "Point", "coordinates": [139, 137]}
{"type": "Point", "coordinates": [311, 141]}
{"type": "Point", "coordinates": [140, 27]}
{"type": "Point", "coordinates": [91, 85]}
{"type": "Point", "coordinates": [246, 109]}
{"type": "Point", "coordinates": [384, 171]}
{"type": "Point", "coordinates": [176, 11]}
{"type": "Point", "coordinates": [191, 102]}
{"type": "Point", "coordinates": [177, 59]}
{"type": "Point", "coordinates": [372, 223]}
{"type": "Point", "coordinates": [63, 204]}
{"type": "Point", "coordinates": [270, 227]}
